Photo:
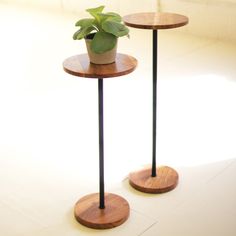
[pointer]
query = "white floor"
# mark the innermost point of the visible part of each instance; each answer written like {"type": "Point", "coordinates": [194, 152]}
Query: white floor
{"type": "Point", "coordinates": [49, 137]}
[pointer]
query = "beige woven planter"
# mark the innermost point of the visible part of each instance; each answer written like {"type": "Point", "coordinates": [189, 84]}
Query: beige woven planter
{"type": "Point", "coordinates": [103, 58]}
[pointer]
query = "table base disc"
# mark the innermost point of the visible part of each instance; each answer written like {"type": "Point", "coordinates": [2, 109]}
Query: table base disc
{"type": "Point", "coordinates": [166, 180]}
{"type": "Point", "coordinates": [88, 213]}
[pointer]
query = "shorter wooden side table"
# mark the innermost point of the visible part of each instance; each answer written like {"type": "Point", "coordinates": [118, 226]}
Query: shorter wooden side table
{"type": "Point", "coordinates": [163, 178]}
{"type": "Point", "coordinates": [100, 210]}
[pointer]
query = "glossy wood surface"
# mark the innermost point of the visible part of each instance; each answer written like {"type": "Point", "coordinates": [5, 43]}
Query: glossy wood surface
{"type": "Point", "coordinates": [166, 180]}
{"type": "Point", "coordinates": [151, 20]}
{"type": "Point", "coordinates": [88, 213]}
{"type": "Point", "coordinates": [79, 65]}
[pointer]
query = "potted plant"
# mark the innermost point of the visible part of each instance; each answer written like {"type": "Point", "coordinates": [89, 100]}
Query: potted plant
{"type": "Point", "coordinates": [101, 33]}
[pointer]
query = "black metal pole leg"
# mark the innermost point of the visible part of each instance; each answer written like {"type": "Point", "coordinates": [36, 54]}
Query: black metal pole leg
{"type": "Point", "coordinates": [154, 70]}
{"type": "Point", "coordinates": [101, 145]}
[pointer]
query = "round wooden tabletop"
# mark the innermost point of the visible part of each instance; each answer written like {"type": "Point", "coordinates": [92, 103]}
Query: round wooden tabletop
{"type": "Point", "coordinates": [79, 65]}
{"type": "Point", "coordinates": [155, 21]}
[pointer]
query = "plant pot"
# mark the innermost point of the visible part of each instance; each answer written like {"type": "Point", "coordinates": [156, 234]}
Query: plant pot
{"type": "Point", "coordinates": [101, 58]}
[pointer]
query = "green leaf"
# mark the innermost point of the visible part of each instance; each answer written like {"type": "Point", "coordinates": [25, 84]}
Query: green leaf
{"type": "Point", "coordinates": [103, 17]}
{"type": "Point", "coordinates": [75, 35]}
{"type": "Point", "coordinates": [114, 16]}
{"type": "Point", "coordinates": [94, 12]}
{"type": "Point", "coordinates": [103, 42]}
{"type": "Point", "coordinates": [115, 28]}
{"type": "Point", "coordinates": [85, 22]}
{"type": "Point", "coordinates": [82, 32]}
{"type": "Point", "coordinates": [109, 16]}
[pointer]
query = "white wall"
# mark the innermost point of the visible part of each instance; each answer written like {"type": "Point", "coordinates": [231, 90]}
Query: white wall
{"type": "Point", "coordinates": [79, 6]}
{"type": "Point", "coordinates": [210, 18]}
{"type": "Point", "coordinates": [50, 4]}
{"type": "Point", "coordinates": [121, 6]}
{"type": "Point", "coordinates": [132, 6]}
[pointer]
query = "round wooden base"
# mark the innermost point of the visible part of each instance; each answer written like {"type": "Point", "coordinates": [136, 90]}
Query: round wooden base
{"type": "Point", "coordinates": [88, 213]}
{"type": "Point", "coordinates": [166, 180]}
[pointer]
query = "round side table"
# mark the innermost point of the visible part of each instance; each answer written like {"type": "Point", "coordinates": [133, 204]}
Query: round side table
{"type": "Point", "coordinates": [100, 210]}
{"type": "Point", "coordinates": [155, 179]}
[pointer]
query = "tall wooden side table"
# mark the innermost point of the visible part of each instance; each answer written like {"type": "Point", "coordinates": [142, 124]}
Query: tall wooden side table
{"type": "Point", "coordinates": [155, 179]}
{"type": "Point", "coordinates": [100, 210]}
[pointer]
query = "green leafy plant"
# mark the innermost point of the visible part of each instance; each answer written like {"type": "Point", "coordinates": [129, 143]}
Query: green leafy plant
{"type": "Point", "coordinates": [103, 29]}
